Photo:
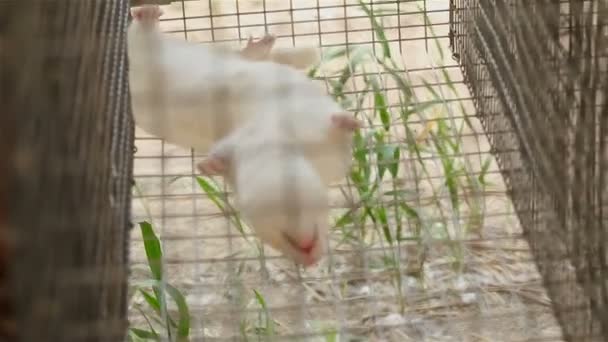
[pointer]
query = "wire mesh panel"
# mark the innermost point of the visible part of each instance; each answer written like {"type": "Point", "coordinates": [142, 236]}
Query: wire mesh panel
{"type": "Point", "coordinates": [538, 70]}
{"type": "Point", "coordinates": [67, 142]}
{"type": "Point", "coordinates": [425, 244]}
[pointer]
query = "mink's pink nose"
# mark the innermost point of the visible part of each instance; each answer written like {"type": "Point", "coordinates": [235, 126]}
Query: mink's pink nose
{"type": "Point", "coordinates": [306, 246]}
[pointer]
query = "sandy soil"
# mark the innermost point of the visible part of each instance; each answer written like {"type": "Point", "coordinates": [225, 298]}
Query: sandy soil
{"type": "Point", "coordinates": [496, 297]}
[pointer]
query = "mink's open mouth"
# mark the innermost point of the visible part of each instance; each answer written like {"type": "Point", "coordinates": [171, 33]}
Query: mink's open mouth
{"type": "Point", "coordinates": [295, 245]}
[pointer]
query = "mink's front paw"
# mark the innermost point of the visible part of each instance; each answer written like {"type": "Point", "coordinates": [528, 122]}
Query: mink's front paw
{"type": "Point", "coordinates": [212, 166]}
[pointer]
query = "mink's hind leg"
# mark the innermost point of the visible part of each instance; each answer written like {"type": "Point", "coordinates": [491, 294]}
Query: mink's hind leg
{"type": "Point", "coordinates": [259, 50]}
{"type": "Point", "coordinates": [262, 50]}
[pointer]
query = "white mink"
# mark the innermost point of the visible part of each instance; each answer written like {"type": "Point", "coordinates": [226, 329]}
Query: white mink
{"type": "Point", "coordinates": [261, 122]}
{"type": "Point", "coordinates": [282, 197]}
{"type": "Point", "coordinates": [284, 200]}
{"type": "Point", "coordinates": [277, 190]}
{"type": "Point", "coordinates": [194, 96]}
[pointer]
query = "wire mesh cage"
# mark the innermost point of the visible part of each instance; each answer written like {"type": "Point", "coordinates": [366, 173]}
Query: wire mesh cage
{"type": "Point", "coordinates": [67, 140]}
{"type": "Point", "coordinates": [474, 209]}
{"type": "Point", "coordinates": [537, 71]}
{"type": "Point", "coordinates": [425, 241]}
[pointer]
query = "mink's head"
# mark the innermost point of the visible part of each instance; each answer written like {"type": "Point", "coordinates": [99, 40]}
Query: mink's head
{"type": "Point", "coordinates": [286, 204]}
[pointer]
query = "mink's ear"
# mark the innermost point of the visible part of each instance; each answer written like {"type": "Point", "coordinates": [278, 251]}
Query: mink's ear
{"type": "Point", "coordinates": [345, 121]}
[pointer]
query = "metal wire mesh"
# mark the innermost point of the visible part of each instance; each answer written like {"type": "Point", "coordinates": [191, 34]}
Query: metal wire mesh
{"type": "Point", "coordinates": [426, 244]}
{"type": "Point", "coordinates": [538, 70]}
{"type": "Point", "coordinates": [435, 253]}
{"type": "Point", "coordinates": [67, 141]}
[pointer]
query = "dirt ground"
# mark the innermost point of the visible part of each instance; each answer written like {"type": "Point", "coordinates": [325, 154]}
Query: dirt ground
{"type": "Point", "coordinates": [498, 296]}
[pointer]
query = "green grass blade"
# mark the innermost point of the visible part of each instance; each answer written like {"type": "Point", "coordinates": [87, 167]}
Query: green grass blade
{"type": "Point", "coordinates": [382, 108]}
{"type": "Point", "coordinates": [381, 214]}
{"type": "Point", "coordinates": [388, 158]}
{"type": "Point", "coordinates": [400, 192]}
{"type": "Point", "coordinates": [216, 196]}
{"type": "Point", "coordinates": [155, 304]}
{"type": "Point", "coordinates": [378, 30]}
{"type": "Point", "coordinates": [359, 180]}
{"type": "Point", "coordinates": [144, 334]}
{"type": "Point", "coordinates": [153, 250]}
{"type": "Point", "coordinates": [369, 213]}
{"type": "Point", "coordinates": [331, 336]}
{"type": "Point", "coordinates": [212, 192]}
{"type": "Point", "coordinates": [380, 103]}
{"type": "Point", "coordinates": [394, 166]}
{"type": "Point", "coordinates": [398, 77]}
{"type": "Point", "coordinates": [145, 316]}
{"type": "Point", "coordinates": [346, 218]}
{"type": "Point", "coordinates": [269, 323]}
{"type": "Point", "coordinates": [154, 256]}
{"type": "Point", "coordinates": [151, 300]}
{"type": "Point", "coordinates": [484, 170]}
{"type": "Point", "coordinates": [412, 214]}
{"type": "Point", "coordinates": [183, 322]}
{"type": "Point", "coordinates": [132, 337]}
{"type": "Point", "coordinates": [417, 108]}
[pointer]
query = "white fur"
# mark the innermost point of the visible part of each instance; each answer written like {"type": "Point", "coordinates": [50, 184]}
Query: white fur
{"type": "Point", "coordinates": [278, 190]}
{"type": "Point", "coordinates": [193, 96]}
{"type": "Point", "coordinates": [281, 195]}
{"type": "Point", "coordinates": [271, 120]}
